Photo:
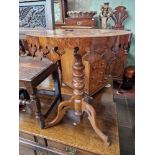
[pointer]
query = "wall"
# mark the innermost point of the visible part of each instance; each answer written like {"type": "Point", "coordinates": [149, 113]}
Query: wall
{"type": "Point", "coordinates": [95, 5]}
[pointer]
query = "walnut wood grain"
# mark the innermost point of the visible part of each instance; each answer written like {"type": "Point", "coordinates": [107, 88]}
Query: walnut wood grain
{"type": "Point", "coordinates": [109, 44]}
{"type": "Point", "coordinates": [77, 102]}
{"type": "Point", "coordinates": [78, 74]}
{"type": "Point", "coordinates": [92, 118]}
{"type": "Point", "coordinates": [95, 67]}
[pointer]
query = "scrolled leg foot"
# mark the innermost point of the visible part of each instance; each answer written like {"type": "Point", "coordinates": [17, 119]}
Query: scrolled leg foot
{"type": "Point", "coordinates": [62, 108]}
{"type": "Point", "coordinates": [92, 118]}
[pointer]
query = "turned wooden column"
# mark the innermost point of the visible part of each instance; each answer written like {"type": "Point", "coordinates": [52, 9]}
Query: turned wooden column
{"type": "Point", "coordinates": [78, 81]}
{"type": "Point", "coordinates": [77, 102]}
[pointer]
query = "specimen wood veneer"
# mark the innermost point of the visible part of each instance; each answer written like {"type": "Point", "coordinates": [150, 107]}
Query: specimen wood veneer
{"type": "Point", "coordinates": [112, 46]}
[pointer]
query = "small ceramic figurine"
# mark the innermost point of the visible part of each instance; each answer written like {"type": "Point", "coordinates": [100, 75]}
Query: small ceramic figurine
{"type": "Point", "coordinates": [104, 15]}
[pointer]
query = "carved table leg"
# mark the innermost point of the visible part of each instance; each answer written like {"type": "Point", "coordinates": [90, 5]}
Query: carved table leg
{"type": "Point", "coordinates": [62, 108]}
{"type": "Point", "coordinates": [37, 107]}
{"type": "Point", "coordinates": [77, 102]}
{"type": "Point", "coordinates": [92, 118]}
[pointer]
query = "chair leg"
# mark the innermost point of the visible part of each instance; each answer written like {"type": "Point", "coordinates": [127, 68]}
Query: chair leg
{"type": "Point", "coordinates": [57, 87]}
{"type": "Point", "coordinates": [37, 108]}
{"type": "Point", "coordinates": [51, 107]}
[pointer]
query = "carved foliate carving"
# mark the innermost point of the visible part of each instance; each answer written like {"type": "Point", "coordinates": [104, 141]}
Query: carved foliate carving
{"type": "Point", "coordinates": [118, 16]}
{"type": "Point", "coordinates": [32, 16]}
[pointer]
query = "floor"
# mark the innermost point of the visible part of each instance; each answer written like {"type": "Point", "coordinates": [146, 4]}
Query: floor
{"type": "Point", "coordinates": [126, 120]}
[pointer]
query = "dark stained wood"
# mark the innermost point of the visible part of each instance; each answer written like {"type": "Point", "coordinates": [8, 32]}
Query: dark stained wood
{"type": "Point", "coordinates": [80, 138]}
{"type": "Point", "coordinates": [111, 45]}
{"type": "Point", "coordinates": [30, 68]}
{"type": "Point", "coordinates": [118, 16]}
{"type": "Point", "coordinates": [32, 72]}
{"type": "Point", "coordinates": [48, 85]}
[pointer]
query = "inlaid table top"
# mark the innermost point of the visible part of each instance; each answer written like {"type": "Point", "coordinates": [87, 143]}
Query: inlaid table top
{"type": "Point", "coordinates": [30, 67]}
{"type": "Point", "coordinates": [75, 33]}
{"type": "Point", "coordinates": [81, 136]}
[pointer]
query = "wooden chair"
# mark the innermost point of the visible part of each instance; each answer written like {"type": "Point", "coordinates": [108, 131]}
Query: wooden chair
{"type": "Point", "coordinates": [32, 71]}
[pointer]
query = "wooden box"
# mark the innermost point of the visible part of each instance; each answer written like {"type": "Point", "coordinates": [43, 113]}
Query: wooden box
{"type": "Point", "coordinates": [80, 22]}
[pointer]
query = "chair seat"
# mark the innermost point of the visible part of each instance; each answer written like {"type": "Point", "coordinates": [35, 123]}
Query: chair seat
{"type": "Point", "coordinates": [32, 71]}
{"type": "Point", "coordinates": [30, 67]}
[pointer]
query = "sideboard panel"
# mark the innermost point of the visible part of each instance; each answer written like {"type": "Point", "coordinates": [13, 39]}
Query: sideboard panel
{"type": "Point", "coordinates": [42, 13]}
{"type": "Point", "coordinates": [32, 16]}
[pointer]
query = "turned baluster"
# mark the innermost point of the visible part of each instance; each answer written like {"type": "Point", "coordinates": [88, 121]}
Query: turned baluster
{"type": "Point", "coordinates": [77, 101]}
{"type": "Point", "coordinates": [78, 81]}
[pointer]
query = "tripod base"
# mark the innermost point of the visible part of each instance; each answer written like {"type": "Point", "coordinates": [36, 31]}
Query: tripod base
{"type": "Point", "coordinates": [84, 107]}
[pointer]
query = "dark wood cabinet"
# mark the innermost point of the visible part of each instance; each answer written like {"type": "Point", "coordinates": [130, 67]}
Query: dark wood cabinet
{"type": "Point", "coordinates": [34, 145]}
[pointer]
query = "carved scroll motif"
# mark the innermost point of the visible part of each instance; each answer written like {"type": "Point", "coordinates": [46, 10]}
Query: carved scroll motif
{"type": "Point", "coordinates": [119, 15]}
{"type": "Point", "coordinates": [32, 16]}
{"type": "Point", "coordinates": [92, 118]}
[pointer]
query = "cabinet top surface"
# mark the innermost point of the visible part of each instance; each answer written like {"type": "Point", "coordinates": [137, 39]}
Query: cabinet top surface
{"type": "Point", "coordinates": [74, 33]}
{"type": "Point", "coordinates": [81, 136]}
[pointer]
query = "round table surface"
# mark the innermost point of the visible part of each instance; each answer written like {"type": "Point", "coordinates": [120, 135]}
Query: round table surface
{"type": "Point", "coordinates": [75, 33]}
